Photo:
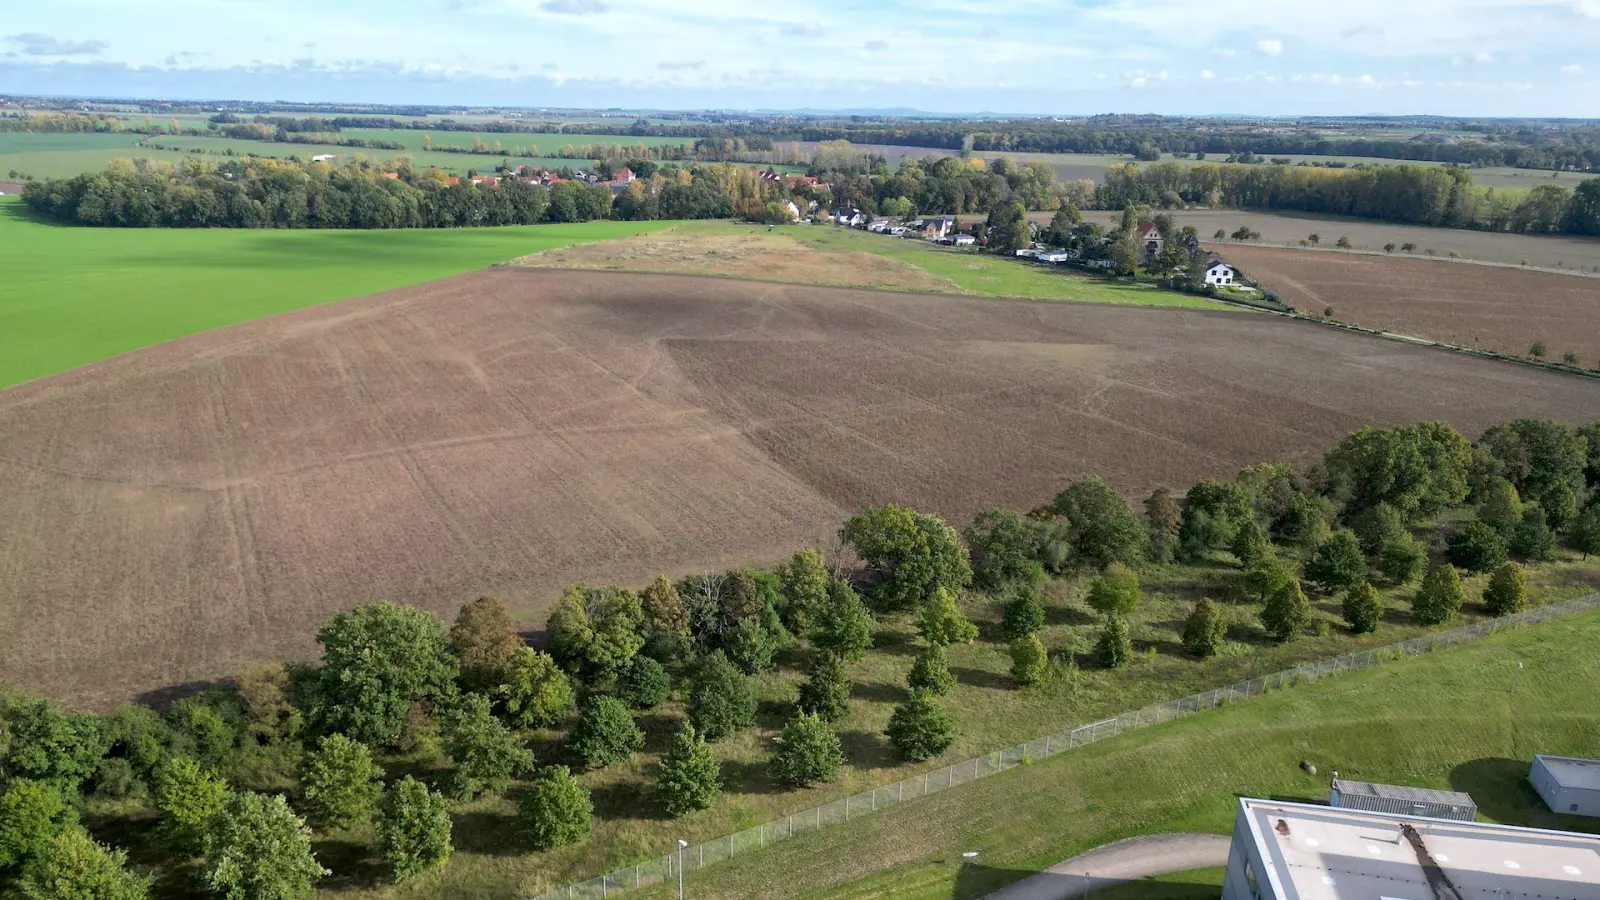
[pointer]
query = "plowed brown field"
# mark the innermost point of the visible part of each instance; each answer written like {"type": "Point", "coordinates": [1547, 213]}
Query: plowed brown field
{"type": "Point", "coordinates": [174, 513]}
{"type": "Point", "coordinates": [1485, 307]}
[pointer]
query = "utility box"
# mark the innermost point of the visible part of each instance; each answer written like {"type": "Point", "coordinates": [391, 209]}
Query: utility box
{"type": "Point", "coordinates": [1568, 785]}
{"type": "Point", "coordinates": [1403, 801]}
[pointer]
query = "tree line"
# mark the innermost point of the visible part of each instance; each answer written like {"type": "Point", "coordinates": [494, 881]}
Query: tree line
{"type": "Point", "coordinates": [242, 776]}
{"type": "Point", "coordinates": [1421, 195]}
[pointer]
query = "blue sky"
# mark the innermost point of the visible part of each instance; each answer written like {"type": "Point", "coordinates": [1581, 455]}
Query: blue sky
{"type": "Point", "coordinates": [1448, 57]}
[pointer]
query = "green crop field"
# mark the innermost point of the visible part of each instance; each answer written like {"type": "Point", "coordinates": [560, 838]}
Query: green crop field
{"type": "Point", "coordinates": [1445, 720]}
{"type": "Point", "coordinates": [422, 159]}
{"type": "Point", "coordinates": [76, 295]}
{"type": "Point", "coordinates": [511, 142]}
{"type": "Point", "coordinates": [65, 155]}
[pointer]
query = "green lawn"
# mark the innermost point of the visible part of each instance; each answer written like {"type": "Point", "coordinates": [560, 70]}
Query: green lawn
{"type": "Point", "coordinates": [1444, 720]}
{"type": "Point", "coordinates": [77, 295]}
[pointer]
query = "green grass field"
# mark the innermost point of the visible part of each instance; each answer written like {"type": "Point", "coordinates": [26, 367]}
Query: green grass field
{"type": "Point", "coordinates": [422, 159]}
{"type": "Point", "coordinates": [1443, 721]}
{"type": "Point", "coordinates": [77, 295]}
{"type": "Point", "coordinates": [1196, 884]}
{"type": "Point", "coordinates": [510, 142]}
{"type": "Point", "coordinates": [66, 155]}
{"type": "Point", "coordinates": [994, 276]}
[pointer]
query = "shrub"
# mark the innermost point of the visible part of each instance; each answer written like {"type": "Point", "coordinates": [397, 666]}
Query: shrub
{"type": "Point", "coordinates": [826, 693]}
{"type": "Point", "coordinates": [720, 701]}
{"type": "Point", "coordinates": [413, 829]}
{"type": "Point", "coordinates": [1115, 593]}
{"type": "Point", "coordinates": [484, 640]}
{"type": "Point", "coordinates": [1024, 614]}
{"type": "Point", "coordinates": [1439, 598]}
{"type": "Point", "coordinates": [1287, 613]}
{"type": "Point", "coordinates": [843, 626]}
{"type": "Point", "coordinates": [941, 621]}
{"type": "Point", "coordinates": [1507, 591]}
{"type": "Point", "coordinates": [1478, 548]}
{"type": "Point", "coordinates": [1402, 559]}
{"type": "Point", "coordinates": [484, 751]}
{"type": "Point", "coordinates": [808, 753]}
{"type": "Point", "coordinates": [1338, 564]}
{"type": "Point", "coordinates": [32, 813]}
{"type": "Point", "coordinates": [689, 776]}
{"type": "Point", "coordinates": [920, 728]}
{"type": "Point", "coordinates": [188, 797]}
{"type": "Point", "coordinates": [536, 693]}
{"type": "Point", "coordinates": [341, 783]}
{"type": "Point", "coordinates": [805, 589]}
{"type": "Point", "coordinates": [605, 734]}
{"type": "Point", "coordinates": [1363, 609]}
{"type": "Point", "coordinates": [1114, 647]}
{"type": "Point", "coordinates": [930, 672]}
{"type": "Point", "coordinates": [1533, 540]}
{"type": "Point", "coordinates": [644, 684]}
{"type": "Point", "coordinates": [1205, 629]}
{"type": "Point", "coordinates": [1004, 550]}
{"type": "Point", "coordinates": [556, 810]}
{"type": "Point", "coordinates": [915, 554]}
{"type": "Point", "coordinates": [256, 847]}
{"type": "Point", "coordinates": [209, 726]}
{"type": "Point", "coordinates": [72, 866]}
{"type": "Point", "coordinates": [1028, 660]}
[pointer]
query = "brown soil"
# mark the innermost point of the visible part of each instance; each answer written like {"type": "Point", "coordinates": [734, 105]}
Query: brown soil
{"type": "Point", "coordinates": [1485, 307]}
{"type": "Point", "coordinates": [757, 254]}
{"type": "Point", "coordinates": [176, 512]}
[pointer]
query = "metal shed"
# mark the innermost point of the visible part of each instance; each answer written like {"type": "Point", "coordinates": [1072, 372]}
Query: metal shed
{"type": "Point", "coordinates": [1400, 800]}
{"type": "Point", "coordinates": [1567, 784]}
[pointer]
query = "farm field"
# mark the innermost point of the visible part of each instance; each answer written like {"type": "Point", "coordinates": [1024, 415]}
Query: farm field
{"type": "Point", "coordinates": [840, 257]}
{"type": "Point", "coordinates": [422, 159]}
{"type": "Point", "coordinates": [66, 155]}
{"type": "Point", "coordinates": [1441, 721]}
{"type": "Point", "coordinates": [78, 295]}
{"type": "Point", "coordinates": [510, 141]}
{"type": "Point", "coordinates": [209, 501]}
{"type": "Point", "coordinates": [1507, 310]}
{"type": "Point", "coordinates": [1287, 229]}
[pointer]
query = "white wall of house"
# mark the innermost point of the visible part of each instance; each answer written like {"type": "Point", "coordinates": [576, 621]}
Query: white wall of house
{"type": "Point", "coordinates": [1220, 275]}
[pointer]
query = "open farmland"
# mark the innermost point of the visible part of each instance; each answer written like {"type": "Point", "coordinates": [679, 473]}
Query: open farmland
{"type": "Point", "coordinates": [176, 512]}
{"type": "Point", "coordinates": [1488, 308]}
{"type": "Point", "coordinates": [422, 159]}
{"type": "Point", "coordinates": [510, 141]}
{"type": "Point", "coordinates": [65, 155]}
{"type": "Point", "coordinates": [1288, 229]}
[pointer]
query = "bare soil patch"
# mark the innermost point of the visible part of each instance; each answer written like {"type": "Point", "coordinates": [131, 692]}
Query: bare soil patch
{"type": "Point", "coordinates": [174, 513]}
{"type": "Point", "coordinates": [1485, 307]}
{"type": "Point", "coordinates": [757, 254]}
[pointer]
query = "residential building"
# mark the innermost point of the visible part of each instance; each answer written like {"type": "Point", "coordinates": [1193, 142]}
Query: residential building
{"type": "Point", "coordinates": [1220, 273]}
{"type": "Point", "coordinates": [1302, 851]}
{"type": "Point", "coordinates": [1150, 240]}
{"type": "Point", "coordinates": [965, 240]}
{"type": "Point", "coordinates": [1568, 785]}
{"type": "Point", "coordinates": [1394, 798]}
{"type": "Point", "coordinates": [622, 176]}
{"type": "Point", "coordinates": [938, 226]}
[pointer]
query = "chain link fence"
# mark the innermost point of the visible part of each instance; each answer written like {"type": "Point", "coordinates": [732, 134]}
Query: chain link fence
{"type": "Point", "coordinates": [664, 868]}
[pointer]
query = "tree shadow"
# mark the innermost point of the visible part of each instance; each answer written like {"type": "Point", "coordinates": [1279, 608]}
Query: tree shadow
{"type": "Point", "coordinates": [160, 698]}
{"type": "Point", "coordinates": [19, 212]}
{"type": "Point", "coordinates": [980, 678]}
{"type": "Point", "coordinates": [866, 749]}
{"type": "Point", "coordinates": [774, 714]}
{"type": "Point", "coordinates": [1254, 635]}
{"type": "Point", "coordinates": [1160, 645]}
{"type": "Point", "coordinates": [490, 834]}
{"type": "Point", "coordinates": [1500, 787]}
{"type": "Point", "coordinates": [894, 642]}
{"type": "Point", "coordinates": [878, 692]}
{"type": "Point", "coordinates": [1067, 615]}
{"type": "Point", "coordinates": [351, 862]}
{"type": "Point", "coordinates": [748, 778]}
{"type": "Point", "coordinates": [658, 727]}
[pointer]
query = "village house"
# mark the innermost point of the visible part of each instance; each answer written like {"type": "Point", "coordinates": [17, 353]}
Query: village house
{"type": "Point", "coordinates": [938, 226]}
{"type": "Point", "coordinates": [1220, 273]}
{"type": "Point", "coordinates": [964, 240]}
{"type": "Point", "coordinates": [1150, 240]}
{"type": "Point", "coordinates": [622, 176]}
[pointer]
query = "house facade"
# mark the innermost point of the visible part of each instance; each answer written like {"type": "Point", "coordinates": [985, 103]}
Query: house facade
{"type": "Point", "coordinates": [1219, 273]}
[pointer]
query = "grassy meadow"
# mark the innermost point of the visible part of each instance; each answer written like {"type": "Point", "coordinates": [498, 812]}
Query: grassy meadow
{"type": "Point", "coordinates": [66, 155]}
{"type": "Point", "coordinates": [77, 295]}
{"type": "Point", "coordinates": [1444, 720]}
{"type": "Point", "coordinates": [422, 159]}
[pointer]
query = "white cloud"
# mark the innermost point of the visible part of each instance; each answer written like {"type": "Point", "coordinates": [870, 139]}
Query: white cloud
{"type": "Point", "coordinates": [1572, 69]}
{"type": "Point", "coordinates": [574, 7]}
{"type": "Point", "coordinates": [1367, 81]}
{"type": "Point", "coordinates": [876, 45]}
{"type": "Point", "coordinates": [1270, 47]}
{"type": "Point", "coordinates": [1207, 74]}
{"type": "Point", "coordinates": [802, 29]}
{"type": "Point", "coordinates": [1224, 52]}
{"type": "Point", "coordinates": [36, 44]}
{"type": "Point", "coordinates": [1483, 57]}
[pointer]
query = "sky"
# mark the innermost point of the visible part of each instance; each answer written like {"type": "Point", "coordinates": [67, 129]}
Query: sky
{"type": "Point", "coordinates": [1066, 57]}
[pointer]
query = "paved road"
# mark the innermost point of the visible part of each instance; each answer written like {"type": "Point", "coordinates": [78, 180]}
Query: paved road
{"type": "Point", "coordinates": [1127, 860]}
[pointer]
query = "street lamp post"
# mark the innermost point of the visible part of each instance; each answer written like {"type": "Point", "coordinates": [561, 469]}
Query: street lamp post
{"type": "Point", "coordinates": [681, 844]}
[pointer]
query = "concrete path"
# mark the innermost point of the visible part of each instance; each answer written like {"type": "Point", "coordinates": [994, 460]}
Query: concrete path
{"type": "Point", "coordinates": [1134, 858]}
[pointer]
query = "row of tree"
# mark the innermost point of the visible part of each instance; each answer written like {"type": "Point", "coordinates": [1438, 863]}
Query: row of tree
{"type": "Point", "coordinates": [1421, 195]}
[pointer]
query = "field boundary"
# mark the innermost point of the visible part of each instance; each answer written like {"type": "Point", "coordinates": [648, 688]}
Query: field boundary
{"type": "Point", "coordinates": [664, 868]}
{"type": "Point", "coordinates": [1422, 257]}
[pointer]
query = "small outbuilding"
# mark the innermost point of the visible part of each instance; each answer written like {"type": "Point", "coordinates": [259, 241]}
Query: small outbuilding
{"type": "Point", "coordinates": [1569, 785]}
{"type": "Point", "coordinates": [1402, 800]}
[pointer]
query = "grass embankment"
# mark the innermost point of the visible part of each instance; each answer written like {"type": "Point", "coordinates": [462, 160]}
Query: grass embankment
{"type": "Point", "coordinates": [1445, 720]}
{"type": "Point", "coordinates": [74, 296]}
{"type": "Point", "coordinates": [492, 860]}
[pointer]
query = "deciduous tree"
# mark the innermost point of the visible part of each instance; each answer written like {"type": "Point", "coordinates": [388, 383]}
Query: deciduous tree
{"type": "Point", "coordinates": [941, 621]}
{"type": "Point", "coordinates": [689, 777]}
{"type": "Point", "coordinates": [1507, 591]}
{"type": "Point", "coordinates": [920, 728]}
{"type": "Point", "coordinates": [808, 753]}
{"type": "Point", "coordinates": [1024, 614]}
{"type": "Point", "coordinates": [805, 589]}
{"type": "Point", "coordinates": [341, 784]}
{"type": "Point", "coordinates": [1363, 609]}
{"type": "Point", "coordinates": [256, 848]}
{"type": "Point", "coordinates": [826, 691]}
{"type": "Point", "coordinates": [914, 554]}
{"type": "Point", "coordinates": [1114, 647]}
{"type": "Point", "coordinates": [1338, 564]}
{"type": "Point", "coordinates": [720, 701]}
{"type": "Point", "coordinates": [605, 734]}
{"type": "Point", "coordinates": [842, 625]}
{"type": "Point", "coordinates": [483, 751]}
{"type": "Point", "coordinates": [1477, 548]}
{"type": "Point", "coordinates": [188, 796]}
{"type": "Point", "coordinates": [484, 640]}
{"type": "Point", "coordinates": [644, 684]}
{"type": "Point", "coordinates": [1439, 598]}
{"type": "Point", "coordinates": [1004, 549]}
{"type": "Point", "coordinates": [1029, 661]}
{"type": "Point", "coordinates": [1204, 629]}
{"type": "Point", "coordinates": [32, 814]}
{"type": "Point", "coordinates": [413, 829]}
{"type": "Point", "coordinates": [536, 693]}
{"type": "Point", "coordinates": [1103, 529]}
{"type": "Point", "coordinates": [1116, 592]}
{"type": "Point", "coordinates": [555, 810]}
{"type": "Point", "coordinates": [73, 866]}
{"type": "Point", "coordinates": [378, 660]}
{"type": "Point", "coordinates": [1287, 613]}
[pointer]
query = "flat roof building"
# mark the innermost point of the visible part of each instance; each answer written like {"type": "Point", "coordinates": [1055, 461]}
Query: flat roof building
{"type": "Point", "coordinates": [1300, 851]}
{"type": "Point", "coordinates": [1409, 801]}
{"type": "Point", "coordinates": [1567, 784]}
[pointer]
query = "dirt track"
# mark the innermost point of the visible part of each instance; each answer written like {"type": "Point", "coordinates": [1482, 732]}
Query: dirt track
{"type": "Point", "coordinates": [177, 512]}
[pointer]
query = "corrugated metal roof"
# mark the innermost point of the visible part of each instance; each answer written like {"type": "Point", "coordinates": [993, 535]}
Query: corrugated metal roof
{"type": "Point", "coordinates": [1570, 772]}
{"type": "Point", "coordinates": [1401, 792]}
